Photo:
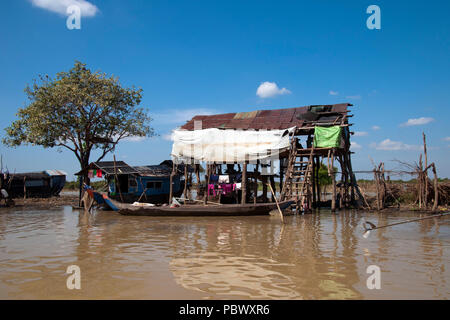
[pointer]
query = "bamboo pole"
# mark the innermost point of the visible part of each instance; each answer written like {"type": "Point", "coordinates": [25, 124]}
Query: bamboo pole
{"type": "Point", "coordinates": [244, 183]}
{"type": "Point", "coordinates": [419, 180]}
{"type": "Point", "coordinates": [274, 190]}
{"type": "Point", "coordinates": [317, 180]}
{"type": "Point", "coordinates": [197, 175]}
{"type": "Point", "coordinates": [207, 180]}
{"type": "Point", "coordinates": [278, 206]}
{"type": "Point", "coordinates": [333, 177]}
{"type": "Point", "coordinates": [436, 191]}
{"type": "Point", "coordinates": [117, 178]}
{"type": "Point", "coordinates": [185, 180]}
{"type": "Point", "coordinates": [255, 185]}
{"type": "Point", "coordinates": [313, 178]}
{"type": "Point", "coordinates": [171, 183]}
{"type": "Point", "coordinates": [375, 176]}
{"type": "Point", "coordinates": [426, 171]}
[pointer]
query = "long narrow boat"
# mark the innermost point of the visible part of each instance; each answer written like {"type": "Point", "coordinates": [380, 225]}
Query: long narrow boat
{"type": "Point", "coordinates": [203, 210]}
{"type": "Point", "coordinates": [188, 209]}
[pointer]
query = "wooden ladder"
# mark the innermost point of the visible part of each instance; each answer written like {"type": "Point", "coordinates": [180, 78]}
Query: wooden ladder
{"type": "Point", "coordinates": [297, 185]}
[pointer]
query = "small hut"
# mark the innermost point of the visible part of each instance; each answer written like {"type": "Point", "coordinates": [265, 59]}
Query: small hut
{"type": "Point", "coordinates": [254, 150]}
{"type": "Point", "coordinates": [149, 183]}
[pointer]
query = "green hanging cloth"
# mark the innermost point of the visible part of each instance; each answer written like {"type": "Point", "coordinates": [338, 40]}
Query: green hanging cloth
{"type": "Point", "coordinates": [327, 137]}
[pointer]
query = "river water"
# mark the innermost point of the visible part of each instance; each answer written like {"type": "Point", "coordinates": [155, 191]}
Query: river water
{"type": "Point", "coordinates": [315, 256]}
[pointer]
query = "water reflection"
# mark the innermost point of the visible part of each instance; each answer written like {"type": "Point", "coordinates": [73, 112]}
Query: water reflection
{"type": "Point", "coordinates": [318, 256]}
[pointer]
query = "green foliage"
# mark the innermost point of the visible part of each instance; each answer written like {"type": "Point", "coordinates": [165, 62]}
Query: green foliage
{"type": "Point", "coordinates": [79, 110]}
{"type": "Point", "coordinates": [74, 185]}
{"type": "Point", "coordinates": [324, 178]}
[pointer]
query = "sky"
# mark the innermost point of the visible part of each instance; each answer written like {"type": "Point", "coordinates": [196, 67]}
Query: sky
{"type": "Point", "coordinates": [206, 57]}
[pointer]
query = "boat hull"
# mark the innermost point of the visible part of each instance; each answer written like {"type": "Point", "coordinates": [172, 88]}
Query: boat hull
{"type": "Point", "coordinates": [203, 210]}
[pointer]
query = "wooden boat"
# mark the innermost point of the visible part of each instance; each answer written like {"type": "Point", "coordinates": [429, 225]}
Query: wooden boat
{"type": "Point", "coordinates": [190, 210]}
{"type": "Point", "coordinates": [186, 210]}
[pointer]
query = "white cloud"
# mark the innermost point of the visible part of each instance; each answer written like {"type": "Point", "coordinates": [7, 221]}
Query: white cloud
{"type": "Point", "coordinates": [60, 6]}
{"type": "Point", "coordinates": [333, 93]}
{"type": "Point", "coordinates": [361, 133]}
{"type": "Point", "coordinates": [270, 89]}
{"type": "Point", "coordinates": [356, 97]}
{"type": "Point", "coordinates": [417, 122]}
{"type": "Point", "coordinates": [167, 136]}
{"type": "Point", "coordinates": [355, 145]}
{"type": "Point", "coordinates": [178, 116]}
{"type": "Point", "coordinates": [376, 128]}
{"type": "Point", "coordinates": [391, 145]}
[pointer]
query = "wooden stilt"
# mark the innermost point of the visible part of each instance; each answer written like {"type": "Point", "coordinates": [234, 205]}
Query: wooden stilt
{"type": "Point", "coordinates": [426, 171]}
{"type": "Point", "coordinates": [264, 187]}
{"type": "Point", "coordinates": [197, 175]}
{"type": "Point", "coordinates": [273, 187]}
{"type": "Point", "coordinates": [185, 180]}
{"type": "Point", "coordinates": [117, 178]}
{"type": "Point", "coordinates": [318, 181]}
{"type": "Point", "coordinates": [436, 190]}
{"type": "Point", "coordinates": [171, 183]}
{"type": "Point", "coordinates": [244, 183]}
{"type": "Point", "coordinates": [333, 177]}
{"type": "Point", "coordinates": [207, 180]}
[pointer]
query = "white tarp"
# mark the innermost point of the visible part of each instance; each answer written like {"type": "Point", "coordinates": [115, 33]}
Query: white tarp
{"type": "Point", "coordinates": [218, 145]}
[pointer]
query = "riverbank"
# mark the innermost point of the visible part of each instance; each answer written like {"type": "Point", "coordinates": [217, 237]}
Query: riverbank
{"type": "Point", "coordinates": [64, 199]}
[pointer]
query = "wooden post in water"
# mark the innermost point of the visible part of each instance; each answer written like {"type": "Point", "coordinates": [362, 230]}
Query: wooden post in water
{"type": "Point", "coordinates": [244, 183]}
{"type": "Point", "coordinates": [197, 175]}
{"type": "Point", "coordinates": [436, 190]}
{"type": "Point", "coordinates": [207, 180]}
{"type": "Point", "coordinates": [185, 180]}
{"type": "Point", "coordinates": [255, 185]}
{"type": "Point", "coordinates": [117, 178]}
{"type": "Point", "coordinates": [333, 177]}
{"type": "Point", "coordinates": [317, 180]}
{"type": "Point", "coordinates": [426, 171]}
{"type": "Point", "coordinates": [171, 183]}
{"type": "Point", "coordinates": [313, 181]}
{"type": "Point", "coordinates": [375, 180]}
{"type": "Point", "coordinates": [273, 187]}
{"type": "Point", "coordinates": [24, 187]}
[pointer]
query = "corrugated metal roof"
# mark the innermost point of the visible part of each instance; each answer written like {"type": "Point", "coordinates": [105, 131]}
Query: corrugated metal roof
{"type": "Point", "coordinates": [154, 170]}
{"type": "Point", "coordinates": [109, 167]}
{"type": "Point", "coordinates": [56, 173]}
{"type": "Point", "coordinates": [265, 119]}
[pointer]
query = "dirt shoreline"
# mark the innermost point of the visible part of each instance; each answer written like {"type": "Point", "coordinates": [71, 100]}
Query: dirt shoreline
{"type": "Point", "coordinates": [61, 200]}
{"type": "Point", "coordinates": [71, 199]}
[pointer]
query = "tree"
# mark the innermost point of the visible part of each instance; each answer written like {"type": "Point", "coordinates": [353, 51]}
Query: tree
{"type": "Point", "coordinates": [324, 178]}
{"type": "Point", "coordinates": [79, 110]}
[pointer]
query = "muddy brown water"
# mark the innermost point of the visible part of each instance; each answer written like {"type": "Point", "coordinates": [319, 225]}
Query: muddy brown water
{"type": "Point", "coordinates": [315, 256]}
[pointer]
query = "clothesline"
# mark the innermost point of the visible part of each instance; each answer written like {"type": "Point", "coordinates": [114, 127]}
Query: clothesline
{"type": "Point", "coordinates": [94, 173]}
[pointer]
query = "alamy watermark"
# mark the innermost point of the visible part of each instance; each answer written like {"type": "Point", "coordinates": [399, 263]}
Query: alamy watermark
{"type": "Point", "coordinates": [74, 17]}
{"type": "Point", "coordinates": [374, 280]}
{"type": "Point", "coordinates": [74, 280]}
{"type": "Point", "coordinates": [374, 20]}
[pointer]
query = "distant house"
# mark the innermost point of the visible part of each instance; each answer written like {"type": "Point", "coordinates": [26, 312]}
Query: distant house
{"type": "Point", "coordinates": [34, 184]}
{"type": "Point", "coordinates": [150, 183]}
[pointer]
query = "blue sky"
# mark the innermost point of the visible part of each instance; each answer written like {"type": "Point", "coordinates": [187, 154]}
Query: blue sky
{"type": "Point", "coordinates": [211, 56]}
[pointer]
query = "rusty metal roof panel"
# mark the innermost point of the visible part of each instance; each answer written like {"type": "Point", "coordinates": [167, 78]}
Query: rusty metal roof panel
{"type": "Point", "coordinates": [260, 119]}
